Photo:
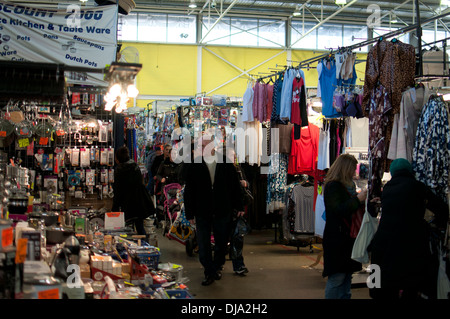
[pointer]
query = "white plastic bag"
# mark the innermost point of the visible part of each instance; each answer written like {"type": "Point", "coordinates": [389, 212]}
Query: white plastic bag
{"type": "Point", "coordinates": [368, 229]}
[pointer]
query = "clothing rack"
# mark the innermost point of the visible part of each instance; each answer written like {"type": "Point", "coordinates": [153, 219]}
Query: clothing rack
{"type": "Point", "coordinates": [376, 39]}
{"type": "Point", "coordinates": [418, 26]}
{"type": "Point", "coordinates": [442, 40]}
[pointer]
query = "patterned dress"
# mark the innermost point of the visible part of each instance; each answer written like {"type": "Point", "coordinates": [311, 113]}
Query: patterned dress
{"type": "Point", "coordinates": [379, 122]}
{"type": "Point", "coordinates": [277, 181]}
{"type": "Point", "coordinates": [431, 155]}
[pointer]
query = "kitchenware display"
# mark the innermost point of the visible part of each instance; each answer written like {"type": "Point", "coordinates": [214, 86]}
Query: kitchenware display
{"type": "Point", "coordinates": [15, 114]}
{"type": "Point", "coordinates": [57, 234]}
{"type": "Point", "coordinates": [49, 218]}
{"type": "Point", "coordinates": [62, 126]}
{"type": "Point", "coordinates": [55, 201]}
{"type": "Point", "coordinates": [35, 285]}
{"type": "Point", "coordinates": [73, 245]}
{"type": "Point", "coordinates": [24, 129]}
{"type": "Point", "coordinates": [68, 219]}
{"type": "Point", "coordinates": [61, 129]}
{"type": "Point", "coordinates": [6, 128]}
{"type": "Point", "coordinates": [44, 129]}
{"type": "Point", "coordinates": [18, 204]}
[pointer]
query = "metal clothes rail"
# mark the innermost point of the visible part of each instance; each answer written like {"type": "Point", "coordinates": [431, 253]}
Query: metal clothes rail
{"type": "Point", "coordinates": [305, 64]}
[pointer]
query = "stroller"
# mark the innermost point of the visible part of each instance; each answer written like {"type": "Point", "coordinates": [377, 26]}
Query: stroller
{"type": "Point", "coordinates": [177, 226]}
{"type": "Point", "coordinates": [171, 205]}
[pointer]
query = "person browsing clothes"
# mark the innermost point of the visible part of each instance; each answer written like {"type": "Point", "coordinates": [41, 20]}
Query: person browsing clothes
{"type": "Point", "coordinates": [341, 202]}
{"type": "Point", "coordinates": [130, 194]}
{"type": "Point", "coordinates": [401, 245]}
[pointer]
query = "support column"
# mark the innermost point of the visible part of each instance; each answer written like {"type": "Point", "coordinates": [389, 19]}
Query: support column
{"type": "Point", "coordinates": [199, 68]}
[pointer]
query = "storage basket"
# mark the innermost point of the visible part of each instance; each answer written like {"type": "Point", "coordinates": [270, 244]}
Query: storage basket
{"type": "Point", "coordinates": [147, 256]}
{"type": "Point", "coordinates": [179, 294]}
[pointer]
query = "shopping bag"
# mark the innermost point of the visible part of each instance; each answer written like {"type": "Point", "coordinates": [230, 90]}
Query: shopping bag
{"type": "Point", "coordinates": [242, 227]}
{"type": "Point", "coordinates": [368, 228]}
{"type": "Point", "coordinates": [443, 284]}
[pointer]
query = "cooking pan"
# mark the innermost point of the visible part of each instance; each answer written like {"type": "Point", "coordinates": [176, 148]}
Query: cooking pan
{"type": "Point", "coordinates": [57, 234]}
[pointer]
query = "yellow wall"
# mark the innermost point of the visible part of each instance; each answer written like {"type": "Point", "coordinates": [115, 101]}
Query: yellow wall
{"type": "Point", "coordinates": [169, 69]}
{"type": "Point", "coordinates": [166, 69]}
{"type": "Point", "coordinates": [216, 72]}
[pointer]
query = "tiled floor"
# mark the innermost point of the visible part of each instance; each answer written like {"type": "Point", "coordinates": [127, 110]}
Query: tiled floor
{"type": "Point", "coordinates": [276, 271]}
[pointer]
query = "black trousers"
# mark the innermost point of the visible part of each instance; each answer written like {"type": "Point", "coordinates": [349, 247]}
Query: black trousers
{"type": "Point", "coordinates": [206, 227]}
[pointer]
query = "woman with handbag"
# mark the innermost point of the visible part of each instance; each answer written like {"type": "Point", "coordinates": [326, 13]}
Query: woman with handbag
{"type": "Point", "coordinates": [341, 203]}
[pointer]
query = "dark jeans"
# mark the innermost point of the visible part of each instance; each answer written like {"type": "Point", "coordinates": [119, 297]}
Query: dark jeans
{"type": "Point", "coordinates": [236, 247]}
{"type": "Point", "coordinates": [220, 228]}
{"type": "Point", "coordinates": [338, 286]}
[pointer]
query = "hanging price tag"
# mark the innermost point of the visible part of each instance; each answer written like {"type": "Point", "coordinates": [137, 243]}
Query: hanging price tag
{"type": "Point", "coordinates": [21, 253]}
{"type": "Point", "coordinates": [30, 149]}
{"type": "Point", "coordinates": [43, 141]}
{"type": "Point", "coordinates": [23, 142]}
{"type": "Point", "coordinates": [49, 294]}
{"type": "Point", "coordinates": [7, 237]}
{"type": "Point", "coordinates": [60, 132]}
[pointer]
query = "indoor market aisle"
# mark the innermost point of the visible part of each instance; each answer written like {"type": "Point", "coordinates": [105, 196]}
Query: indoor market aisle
{"type": "Point", "coordinates": [276, 271]}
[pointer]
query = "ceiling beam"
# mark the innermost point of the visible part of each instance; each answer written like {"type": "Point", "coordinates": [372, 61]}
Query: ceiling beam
{"type": "Point", "coordinates": [218, 20]}
{"type": "Point", "coordinates": [323, 21]}
{"type": "Point", "coordinates": [439, 20]}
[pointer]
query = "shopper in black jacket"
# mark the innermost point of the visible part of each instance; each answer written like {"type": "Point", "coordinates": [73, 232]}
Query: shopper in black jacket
{"type": "Point", "coordinates": [211, 194]}
{"type": "Point", "coordinates": [130, 193]}
{"type": "Point", "coordinates": [168, 172]}
{"type": "Point", "coordinates": [341, 202]}
{"type": "Point", "coordinates": [401, 245]}
{"type": "Point", "coordinates": [157, 163]}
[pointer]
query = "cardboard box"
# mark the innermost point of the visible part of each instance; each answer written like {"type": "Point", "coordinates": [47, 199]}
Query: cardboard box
{"type": "Point", "coordinates": [85, 271]}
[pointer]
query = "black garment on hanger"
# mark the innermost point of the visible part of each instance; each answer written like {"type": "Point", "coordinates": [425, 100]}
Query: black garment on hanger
{"type": "Point", "coordinates": [333, 141]}
{"type": "Point", "coordinates": [303, 106]}
{"type": "Point", "coordinates": [297, 132]}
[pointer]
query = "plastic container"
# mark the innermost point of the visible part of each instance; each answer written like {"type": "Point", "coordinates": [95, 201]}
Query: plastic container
{"type": "Point", "coordinates": [179, 294]}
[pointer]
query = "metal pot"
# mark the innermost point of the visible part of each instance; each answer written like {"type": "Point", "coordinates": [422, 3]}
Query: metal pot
{"type": "Point", "coordinates": [50, 218]}
{"type": "Point", "coordinates": [57, 234]}
{"type": "Point", "coordinates": [68, 220]}
{"type": "Point", "coordinates": [18, 205]}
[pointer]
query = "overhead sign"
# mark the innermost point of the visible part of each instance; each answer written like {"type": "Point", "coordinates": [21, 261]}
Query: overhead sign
{"type": "Point", "coordinates": [76, 36]}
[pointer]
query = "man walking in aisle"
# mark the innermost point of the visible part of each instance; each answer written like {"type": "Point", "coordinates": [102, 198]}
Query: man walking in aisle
{"type": "Point", "coordinates": [211, 194]}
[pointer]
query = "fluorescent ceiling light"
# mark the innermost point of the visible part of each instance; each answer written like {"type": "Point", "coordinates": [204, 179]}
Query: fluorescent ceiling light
{"type": "Point", "coordinates": [445, 3]}
{"type": "Point", "coordinates": [192, 5]}
{"type": "Point", "coordinates": [394, 18]}
{"type": "Point", "coordinates": [341, 2]}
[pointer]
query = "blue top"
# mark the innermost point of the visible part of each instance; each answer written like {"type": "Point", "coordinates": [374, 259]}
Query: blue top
{"type": "Point", "coordinates": [328, 84]}
{"type": "Point", "coordinates": [286, 93]}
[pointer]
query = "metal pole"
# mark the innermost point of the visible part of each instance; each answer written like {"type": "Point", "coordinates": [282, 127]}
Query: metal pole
{"type": "Point", "coordinates": [218, 20]}
{"type": "Point", "coordinates": [373, 40]}
{"type": "Point", "coordinates": [419, 37]}
{"type": "Point", "coordinates": [325, 20]}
